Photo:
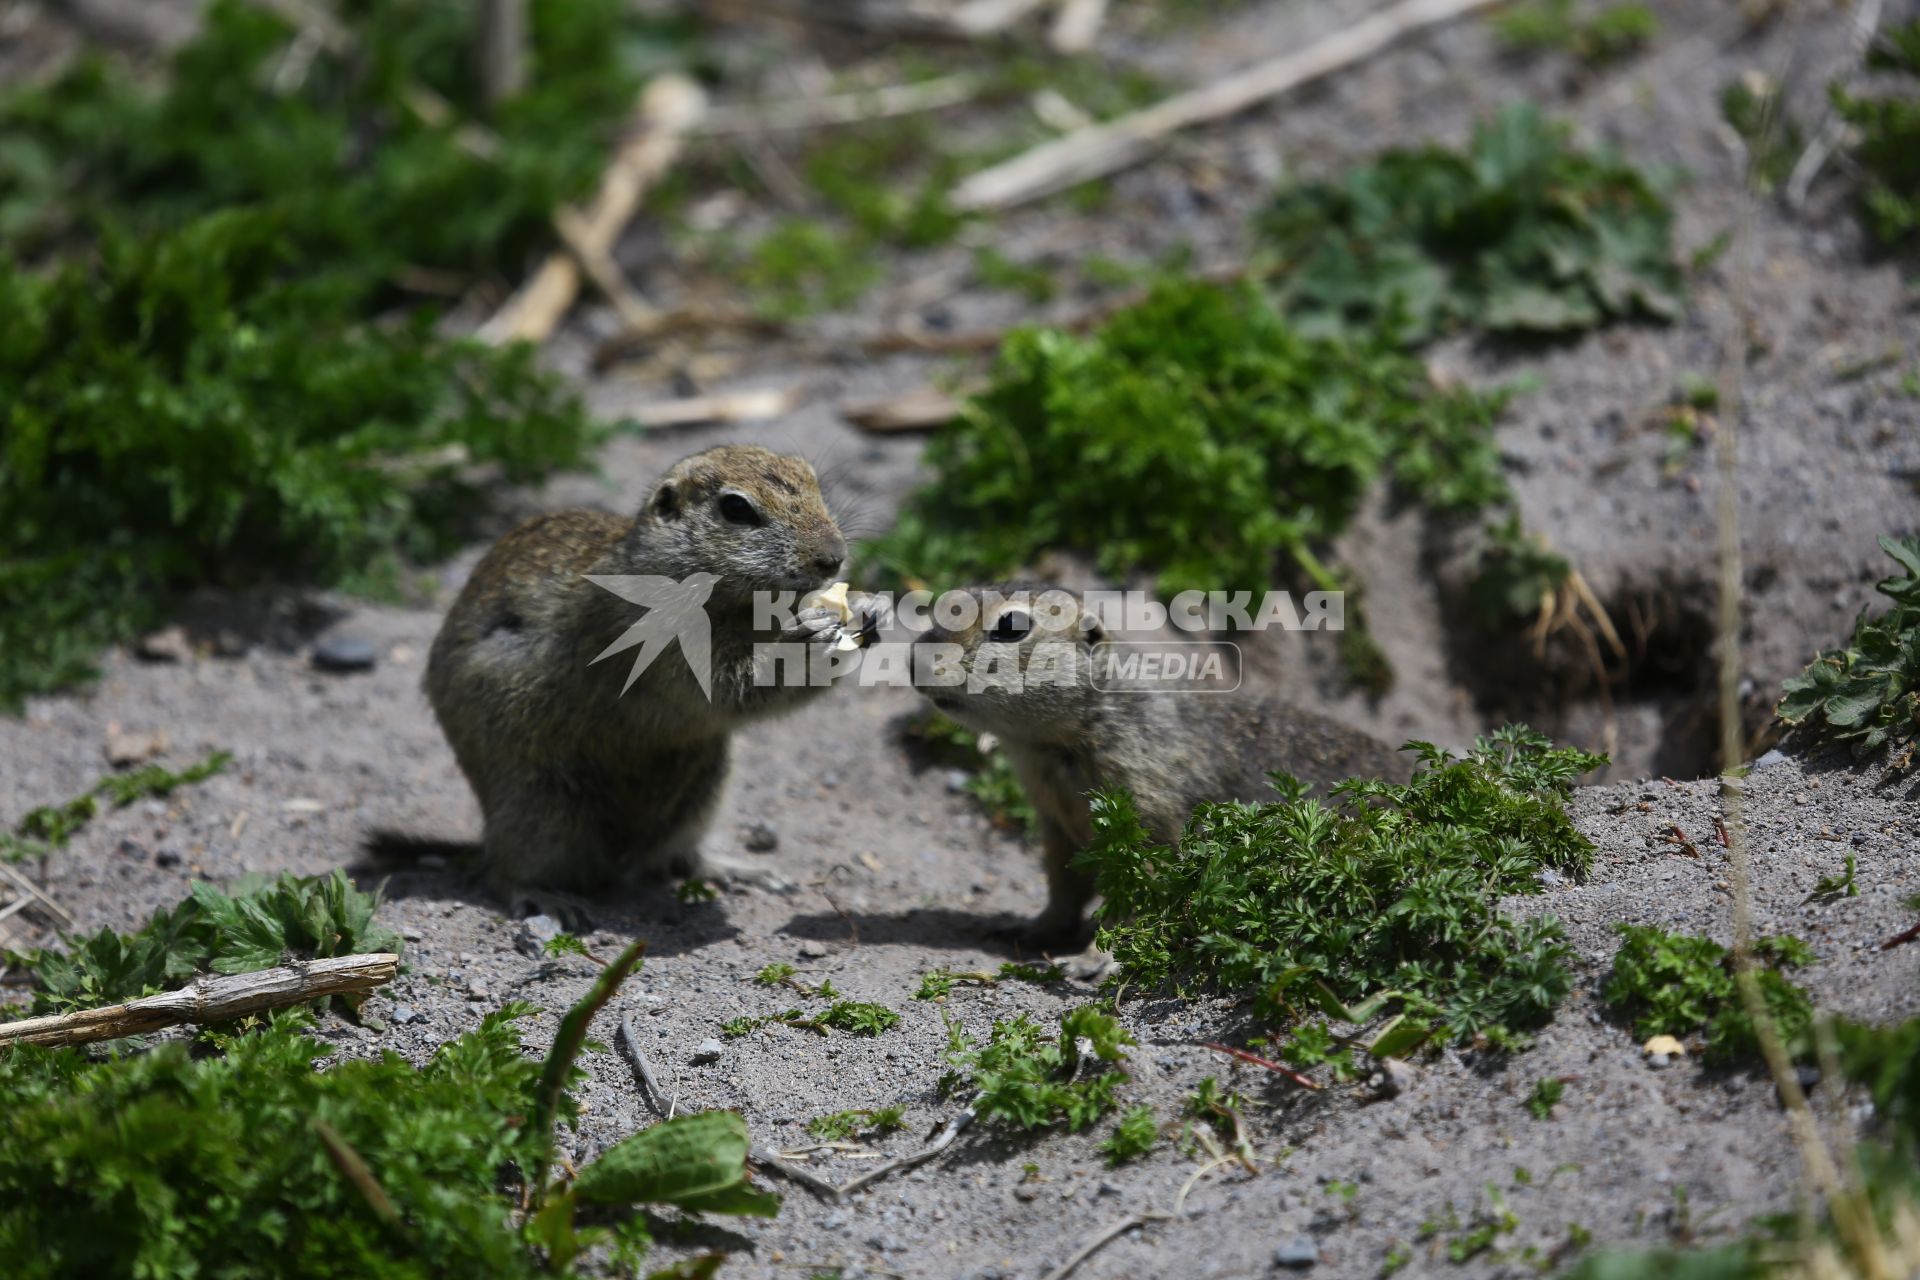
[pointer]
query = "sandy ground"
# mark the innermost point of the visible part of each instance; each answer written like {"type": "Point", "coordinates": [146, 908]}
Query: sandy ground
{"type": "Point", "coordinates": [890, 873]}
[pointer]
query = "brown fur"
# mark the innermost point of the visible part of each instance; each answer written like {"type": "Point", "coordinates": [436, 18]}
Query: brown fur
{"type": "Point", "coordinates": [581, 785]}
{"type": "Point", "coordinates": [1171, 750]}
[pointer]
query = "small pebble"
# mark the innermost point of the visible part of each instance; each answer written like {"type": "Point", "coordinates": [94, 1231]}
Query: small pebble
{"type": "Point", "coordinates": [708, 1050]}
{"type": "Point", "coordinates": [166, 858]}
{"type": "Point", "coordinates": [345, 653]}
{"type": "Point", "coordinates": [1772, 758]}
{"type": "Point", "coordinates": [957, 779]}
{"type": "Point", "coordinates": [1297, 1252]}
{"type": "Point", "coordinates": [762, 838]}
{"type": "Point", "coordinates": [1393, 1078]}
{"type": "Point", "coordinates": [1659, 1061]}
{"type": "Point", "coordinates": [170, 645]}
{"type": "Point", "coordinates": [405, 1013]}
{"type": "Point", "coordinates": [1858, 838]}
{"type": "Point", "coordinates": [813, 949]}
{"type": "Point", "coordinates": [1550, 878]}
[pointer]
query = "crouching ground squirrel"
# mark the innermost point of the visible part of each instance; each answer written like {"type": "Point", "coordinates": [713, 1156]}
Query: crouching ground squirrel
{"type": "Point", "coordinates": [1065, 736]}
{"type": "Point", "coordinates": [584, 782]}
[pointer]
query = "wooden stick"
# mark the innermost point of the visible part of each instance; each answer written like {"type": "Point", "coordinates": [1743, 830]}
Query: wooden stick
{"type": "Point", "coordinates": [1126, 141]}
{"type": "Point", "coordinates": [942, 1140]}
{"type": "Point", "coordinates": [857, 107]}
{"type": "Point", "coordinates": [921, 409]}
{"type": "Point", "coordinates": [599, 266]}
{"type": "Point", "coordinates": [765, 1159]}
{"type": "Point", "coordinates": [1287, 1072]}
{"type": "Point", "coordinates": [650, 1089]}
{"type": "Point", "coordinates": [219, 999]}
{"type": "Point", "coordinates": [1101, 1241]}
{"type": "Point", "coordinates": [33, 891]}
{"type": "Point", "coordinates": [1077, 25]}
{"type": "Point", "coordinates": [669, 107]}
{"type": "Point", "coordinates": [726, 406]}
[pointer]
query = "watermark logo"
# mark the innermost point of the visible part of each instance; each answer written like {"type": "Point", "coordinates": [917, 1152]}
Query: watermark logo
{"type": "Point", "coordinates": [676, 610]}
{"type": "Point", "coordinates": [1058, 638]}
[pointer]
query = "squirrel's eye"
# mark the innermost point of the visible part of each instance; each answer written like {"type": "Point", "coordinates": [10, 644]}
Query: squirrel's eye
{"type": "Point", "coordinates": [737, 509]}
{"type": "Point", "coordinates": [1010, 626]}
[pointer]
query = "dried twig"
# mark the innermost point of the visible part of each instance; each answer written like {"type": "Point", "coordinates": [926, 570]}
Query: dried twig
{"type": "Point", "coordinates": [856, 107]}
{"type": "Point", "coordinates": [1866, 20]}
{"type": "Point", "coordinates": [1101, 1241]}
{"type": "Point", "coordinates": [650, 1090]}
{"type": "Point", "coordinates": [1258, 1061]}
{"type": "Point", "coordinates": [219, 999]}
{"type": "Point", "coordinates": [941, 1141]}
{"type": "Point", "coordinates": [765, 1159]}
{"type": "Point", "coordinates": [1898, 939]}
{"type": "Point", "coordinates": [1126, 141]}
{"type": "Point", "coordinates": [725, 406]}
{"type": "Point", "coordinates": [921, 409]}
{"type": "Point", "coordinates": [1077, 25]}
{"type": "Point", "coordinates": [33, 893]}
{"type": "Point", "coordinates": [670, 106]}
{"type": "Point", "coordinates": [1676, 836]}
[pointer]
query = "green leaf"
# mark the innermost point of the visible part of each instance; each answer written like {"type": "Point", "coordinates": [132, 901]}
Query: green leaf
{"type": "Point", "coordinates": [698, 1158]}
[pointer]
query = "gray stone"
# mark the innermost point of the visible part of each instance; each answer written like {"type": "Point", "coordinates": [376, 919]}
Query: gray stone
{"type": "Point", "coordinates": [1296, 1252]}
{"type": "Point", "coordinates": [1772, 758]}
{"type": "Point", "coordinates": [813, 949]}
{"type": "Point", "coordinates": [957, 779]}
{"type": "Point", "coordinates": [166, 858]}
{"type": "Point", "coordinates": [708, 1050]}
{"type": "Point", "coordinates": [405, 1013]}
{"type": "Point", "coordinates": [1659, 1061]}
{"type": "Point", "coordinates": [536, 932]}
{"type": "Point", "coordinates": [762, 838]}
{"type": "Point", "coordinates": [345, 653]}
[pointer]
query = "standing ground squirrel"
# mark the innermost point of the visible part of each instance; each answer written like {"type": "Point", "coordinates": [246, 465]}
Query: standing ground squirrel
{"type": "Point", "coordinates": [580, 783]}
{"type": "Point", "coordinates": [1065, 737]}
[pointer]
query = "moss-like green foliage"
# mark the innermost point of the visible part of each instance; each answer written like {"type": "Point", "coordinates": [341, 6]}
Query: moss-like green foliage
{"type": "Point", "coordinates": [1029, 1078]}
{"type": "Point", "coordinates": [1388, 897]}
{"type": "Point", "coordinates": [1888, 150]}
{"type": "Point", "coordinates": [842, 1125]}
{"type": "Point", "coordinates": [1609, 34]}
{"type": "Point", "coordinates": [1197, 433]}
{"type": "Point", "coordinates": [1868, 693]}
{"type": "Point", "coordinates": [368, 152]}
{"type": "Point", "coordinates": [1523, 233]}
{"type": "Point", "coordinates": [169, 1163]}
{"type": "Point", "coordinates": [50, 826]}
{"type": "Point", "coordinates": [200, 394]}
{"type": "Point", "coordinates": [1680, 985]}
{"type": "Point", "coordinates": [248, 1160]}
{"type": "Point", "coordinates": [1132, 1137]}
{"type": "Point", "coordinates": [260, 924]}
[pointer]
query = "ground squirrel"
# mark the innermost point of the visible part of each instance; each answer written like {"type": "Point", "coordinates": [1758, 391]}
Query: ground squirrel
{"type": "Point", "coordinates": [581, 784]}
{"type": "Point", "coordinates": [1171, 750]}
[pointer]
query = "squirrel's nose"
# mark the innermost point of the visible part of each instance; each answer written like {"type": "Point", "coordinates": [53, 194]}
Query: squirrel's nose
{"type": "Point", "coordinates": [829, 556]}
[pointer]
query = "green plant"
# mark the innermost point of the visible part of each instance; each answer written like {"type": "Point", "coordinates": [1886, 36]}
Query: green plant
{"type": "Point", "coordinates": [210, 1158]}
{"type": "Point", "coordinates": [261, 923]}
{"type": "Point", "coordinates": [49, 827]}
{"type": "Point", "coordinates": [774, 975]}
{"type": "Point", "coordinates": [850, 1016]}
{"type": "Point", "coordinates": [1132, 1137]}
{"type": "Point", "coordinates": [1515, 573]}
{"type": "Point", "coordinates": [1888, 129]}
{"type": "Point", "coordinates": [1195, 433]}
{"type": "Point", "coordinates": [1489, 1225]}
{"type": "Point", "coordinates": [1030, 1079]}
{"type": "Point", "coordinates": [1521, 234]}
{"type": "Point", "coordinates": [1387, 898]}
{"type": "Point", "coordinates": [1545, 1097]}
{"type": "Point", "coordinates": [938, 983]}
{"type": "Point", "coordinates": [1868, 693]}
{"type": "Point", "coordinates": [1611, 33]}
{"type": "Point", "coordinates": [1834, 887]}
{"type": "Point", "coordinates": [210, 389]}
{"type": "Point", "coordinates": [694, 890]}
{"type": "Point", "coordinates": [841, 1125]}
{"type": "Point", "coordinates": [1680, 985]}
{"type": "Point", "coordinates": [995, 270]}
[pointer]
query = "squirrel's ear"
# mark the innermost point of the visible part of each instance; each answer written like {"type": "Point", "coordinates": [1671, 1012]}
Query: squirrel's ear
{"type": "Point", "coordinates": [665, 502]}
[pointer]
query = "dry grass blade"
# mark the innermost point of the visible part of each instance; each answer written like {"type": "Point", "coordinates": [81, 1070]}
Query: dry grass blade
{"type": "Point", "coordinates": [858, 107]}
{"type": "Point", "coordinates": [1101, 1241]}
{"type": "Point", "coordinates": [1123, 142]}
